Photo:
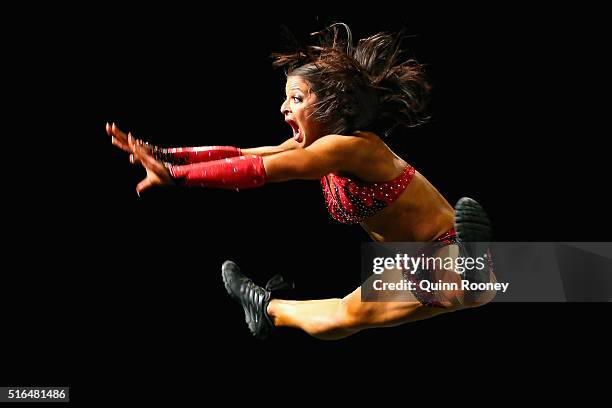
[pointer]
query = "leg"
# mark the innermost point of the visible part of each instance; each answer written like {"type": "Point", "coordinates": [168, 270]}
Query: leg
{"type": "Point", "coordinates": [332, 319]}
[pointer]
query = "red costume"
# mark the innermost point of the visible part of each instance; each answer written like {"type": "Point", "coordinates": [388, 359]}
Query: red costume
{"type": "Point", "coordinates": [350, 201]}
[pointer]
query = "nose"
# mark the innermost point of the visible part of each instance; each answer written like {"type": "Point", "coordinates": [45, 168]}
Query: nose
{"type": "Point", "coordinates": [285, 108]}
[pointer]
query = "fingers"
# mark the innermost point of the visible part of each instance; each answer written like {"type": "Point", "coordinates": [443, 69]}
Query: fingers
{"type": "Point", "coordinates": [131, 143]}
{"type": "Point", "coordinates": [118, 138]}
{"type": "Point", "coordinates": [133, 159]}
{"type": "Point", "coordinates": [120, 145]}
{"type": "Point", "coordinates": [123, 137]}
{"type": "Point", "coordinates": [118, 133]}
{"type": "Point", "coordinates": [135, 156]}
{"type": "Point", "coordinates": [144, 185]}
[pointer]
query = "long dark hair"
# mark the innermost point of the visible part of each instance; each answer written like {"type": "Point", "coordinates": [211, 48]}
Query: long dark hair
{"type": "Point", "coordinates": [362, 87]}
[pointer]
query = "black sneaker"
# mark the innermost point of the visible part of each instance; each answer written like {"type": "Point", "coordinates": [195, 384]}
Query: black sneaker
{"type": "Point", "coordinates": [471, 221]}
{"type": "Point", "coordinates": [253, 298]}
{"type": "Point", "coordinates": [474, 232]}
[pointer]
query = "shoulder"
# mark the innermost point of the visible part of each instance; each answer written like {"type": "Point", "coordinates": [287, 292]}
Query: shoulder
{"type": "Point", "coordinates": [349, 152]}
{"type": "Point", "coordinates": [353, 143]}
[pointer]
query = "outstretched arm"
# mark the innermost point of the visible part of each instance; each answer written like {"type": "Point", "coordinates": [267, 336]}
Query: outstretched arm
{"type": "Point", "coordinates": [189, 155]}
{"type": "Point", "coordinates": [328, 154]}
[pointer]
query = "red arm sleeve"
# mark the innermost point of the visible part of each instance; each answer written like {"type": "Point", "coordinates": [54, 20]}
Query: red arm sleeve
{"type": "Point", "coordinates": [230, 173]}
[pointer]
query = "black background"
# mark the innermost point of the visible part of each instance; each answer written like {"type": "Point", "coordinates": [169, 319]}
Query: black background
{"type": "Point", "coordinates": [104, 287]}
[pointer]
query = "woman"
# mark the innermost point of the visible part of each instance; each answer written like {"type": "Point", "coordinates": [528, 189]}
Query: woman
{"type": "Point", "coordinates": [339, 99]}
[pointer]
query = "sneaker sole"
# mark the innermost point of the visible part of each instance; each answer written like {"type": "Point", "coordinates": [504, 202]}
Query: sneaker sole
{"type": "Point", "coordinates": [225, 276]}
{"type": "Point", "coordinates": [471, 221]}
{"type": "Point", "coordinates": [227, 270]}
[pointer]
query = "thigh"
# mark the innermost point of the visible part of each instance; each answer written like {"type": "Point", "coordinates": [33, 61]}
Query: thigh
{"type": "Point", "coordinates": [371, 308]}
{"type": "Point", "coordinates": [370, 314]}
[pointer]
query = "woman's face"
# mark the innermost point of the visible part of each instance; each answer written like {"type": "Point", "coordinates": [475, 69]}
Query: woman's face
{"type": "Point", "coordinates": [296, 109]}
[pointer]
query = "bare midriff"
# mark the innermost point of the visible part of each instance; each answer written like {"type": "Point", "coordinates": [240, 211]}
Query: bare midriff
{"type": "Point", "coordinates": [420, 214]}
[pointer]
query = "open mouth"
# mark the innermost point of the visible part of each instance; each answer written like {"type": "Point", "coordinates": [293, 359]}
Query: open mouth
{"type": "Point", "coordinates": [297, 133]}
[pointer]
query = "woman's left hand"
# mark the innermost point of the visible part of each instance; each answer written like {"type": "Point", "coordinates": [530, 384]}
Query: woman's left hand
{"type": "Point", "coordinates": [157, 173]}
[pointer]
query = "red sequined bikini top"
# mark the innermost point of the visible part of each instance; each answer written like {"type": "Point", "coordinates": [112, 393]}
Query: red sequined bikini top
{"type": "Point", "coordinates": [351, 202]}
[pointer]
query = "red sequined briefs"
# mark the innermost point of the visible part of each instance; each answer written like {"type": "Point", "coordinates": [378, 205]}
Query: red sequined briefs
{"type": "Point", "coordinates": [350, 201]}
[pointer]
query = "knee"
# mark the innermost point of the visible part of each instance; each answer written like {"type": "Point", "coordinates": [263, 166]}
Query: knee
{"type": "Point", "coordinates": [466, 301]}
{"type": "Point", "coordinates": [480, 299]}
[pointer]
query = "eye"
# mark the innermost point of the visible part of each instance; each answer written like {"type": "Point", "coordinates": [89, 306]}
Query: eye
{"type": "Point", "coordinates": [296, 99]}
